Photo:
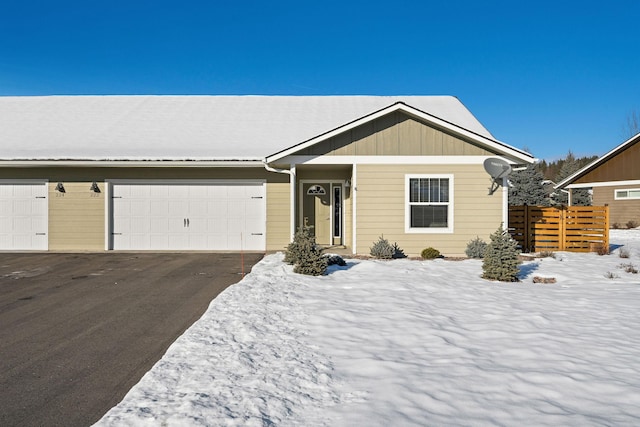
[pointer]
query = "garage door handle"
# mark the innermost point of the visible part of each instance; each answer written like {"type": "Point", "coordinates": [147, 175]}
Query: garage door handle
{"type": "Point", "coordinates": [41, 197]}
{"type": "Point", "coordinates": [256, 234]}
{"type": "Point", "coordinates": [41, 234]}
{"type": "Point", "coordinates": [117, 234]}
{"type": "Point", "coordinates": [260, 197]}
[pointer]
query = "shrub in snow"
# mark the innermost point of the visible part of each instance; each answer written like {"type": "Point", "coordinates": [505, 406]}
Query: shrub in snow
{"type": "Point", "coordinates": [397, 252]}
{"type": "Point", "coordinates": [629, 268]}
{"type": "Point", "coordinates": [335, 260]}
{"type": "Point", "coordinates": [632, 224]}
{"type": "Point", "coordinates": [430, 253]}
{"type": "Point", "coordinates": [547, 254]}
{"type": "Point", "coordinates": [539, 279]}
{"type": "Point", "coordinates": [382, 249]}
{"type": "Point", "coordinates": [501, 257]}
{"type": "Point", "coordinates": [602, 249]}
{"type": "Point", "coordinates": [623, 253]}
{"type": "Point", "coordinates": [476, 248]}
{"type": "Point", "coordinates": [305, 255]}
{"type": "Point", "coordinates": [615, 225]}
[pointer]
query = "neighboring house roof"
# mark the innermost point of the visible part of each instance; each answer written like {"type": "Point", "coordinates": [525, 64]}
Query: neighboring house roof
{"type": "Point", "coordinates": [598, 162]}
{"type": "Point", "coordinates": [196, 127]}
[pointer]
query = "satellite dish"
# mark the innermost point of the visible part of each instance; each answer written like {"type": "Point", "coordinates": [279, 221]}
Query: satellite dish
{"type": "Point", "coordinates": [497, 168]}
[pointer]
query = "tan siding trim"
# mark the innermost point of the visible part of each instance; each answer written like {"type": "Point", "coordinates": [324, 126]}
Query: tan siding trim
{"type": "Point", "coordinates": [278, 211]}
{"type": "Point", "coordinates": [76, 217]}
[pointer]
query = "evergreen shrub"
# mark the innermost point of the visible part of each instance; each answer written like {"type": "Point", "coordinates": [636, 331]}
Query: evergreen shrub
{"type": "Point", "coordinates": [305, 255]}
{"type": "Point", "coordinates": [382, 249]}
{"type": "Point", "coordinates": [476, 248]}
{"type": "Point", "coordinates": [430, 253]}
{"type": "Point", "coordinates": [501, 257]}
{"type": "Point", "coordinates": [335, 260]}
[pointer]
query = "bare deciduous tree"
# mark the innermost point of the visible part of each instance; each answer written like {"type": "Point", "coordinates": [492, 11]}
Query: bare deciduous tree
{"type": "Point", "coordinates": [632, 127]}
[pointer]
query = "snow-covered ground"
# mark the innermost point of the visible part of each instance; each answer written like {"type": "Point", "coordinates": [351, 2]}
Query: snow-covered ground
{"type": "Point", "coordinates": [408, 343]}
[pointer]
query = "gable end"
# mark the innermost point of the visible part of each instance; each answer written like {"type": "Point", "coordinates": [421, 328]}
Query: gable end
{"type": "Point", "coordinates": [395, 134]}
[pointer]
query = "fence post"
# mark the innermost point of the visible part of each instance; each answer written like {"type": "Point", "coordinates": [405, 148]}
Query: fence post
{"type": "Point", "coordinates": [526, 243]}
{"type": "Point", "coordinates": [606, 226]}
{"type": "Point", "coordinates": [562, 227]}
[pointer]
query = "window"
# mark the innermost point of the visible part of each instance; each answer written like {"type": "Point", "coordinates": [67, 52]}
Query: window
{"type": "Point", "coordinates": [632, 193]}
{"type": "Point", "coordinates": [429, 204]}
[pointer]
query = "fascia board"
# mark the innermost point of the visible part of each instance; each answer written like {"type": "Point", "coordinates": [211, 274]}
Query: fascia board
{"type": "Point", "coordinates": [399, 106]}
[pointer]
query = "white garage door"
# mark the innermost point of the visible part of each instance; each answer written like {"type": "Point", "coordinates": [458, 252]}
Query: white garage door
{"type": "Point", "coordinates": [208, 216]}
{"type": "Point", "coordinates": [23, 216]}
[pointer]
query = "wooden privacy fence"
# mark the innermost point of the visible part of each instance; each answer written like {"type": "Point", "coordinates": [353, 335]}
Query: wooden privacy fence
{"type": "Point", "coordinates": [568, 228]}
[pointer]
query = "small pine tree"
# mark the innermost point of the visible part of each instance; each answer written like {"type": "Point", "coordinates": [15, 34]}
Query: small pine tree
{"type": "Point", "coordinates": [300, 239]}
{"type": "Point", "coordinates": [382, 249]}
{"type": "Point", "coordinates": [501, 257]}
{"type": "Point", "coordinates": [310, 261]}
{"type": "Point", "coordinates": [305, 255]}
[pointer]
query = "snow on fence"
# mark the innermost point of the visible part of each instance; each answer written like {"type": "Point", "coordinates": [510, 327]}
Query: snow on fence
{"type": "Point", "coordinates": [567, 228]}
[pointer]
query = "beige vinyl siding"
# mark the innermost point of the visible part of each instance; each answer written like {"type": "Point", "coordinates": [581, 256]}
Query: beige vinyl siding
{"type": "Point", "coordinates": [278, 213]}
{"type": "Point", "coordinates": [76, 217]}
{"type": "Point", "coordinates": [395, 134]}
{"type": "Point", "coordinates": [382, 203]}
{"type": "Point", "coordinates": [620, 211]}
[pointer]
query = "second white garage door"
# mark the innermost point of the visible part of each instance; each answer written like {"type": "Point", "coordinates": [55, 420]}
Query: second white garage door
{"type": "Point", "coordinates": [188, 216]}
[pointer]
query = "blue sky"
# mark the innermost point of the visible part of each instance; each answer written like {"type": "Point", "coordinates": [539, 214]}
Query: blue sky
{"type": "Point", "coordinates": [551, 76]}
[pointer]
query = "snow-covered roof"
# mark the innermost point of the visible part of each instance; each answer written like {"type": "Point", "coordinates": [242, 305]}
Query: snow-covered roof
{"type": "Point", "coordinates": [190, 127]}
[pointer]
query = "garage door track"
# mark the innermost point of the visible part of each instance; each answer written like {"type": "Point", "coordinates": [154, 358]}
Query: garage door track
{"type": "Point", "coordinates": [77, 331]}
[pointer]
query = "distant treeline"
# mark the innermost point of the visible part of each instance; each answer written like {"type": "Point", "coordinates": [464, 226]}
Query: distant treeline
{"type": "Point", "coordinates": [551, 170]}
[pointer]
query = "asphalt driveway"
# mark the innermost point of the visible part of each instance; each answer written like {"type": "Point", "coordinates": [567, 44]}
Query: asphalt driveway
{"type": "Point", "coordinates": [77, 331]}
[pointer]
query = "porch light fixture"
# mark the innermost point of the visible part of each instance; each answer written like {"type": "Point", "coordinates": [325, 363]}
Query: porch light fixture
{"type": "Point", "coordinates": [60, 188]}
{"type": "Point", "coordinates": [94, 187]}
{"type": "Point", "coordinates": [347, 183]}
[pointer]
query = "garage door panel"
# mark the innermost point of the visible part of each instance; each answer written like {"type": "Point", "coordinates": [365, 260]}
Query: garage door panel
{"type": "Point", "coordinates": [198, 208]}
{"type": "Point", "coordinates": [159, 206]}
{"type": "Point", "coordinates": [159, 241]}
{"type": "Point", "coordinates": [140, 207]}
{"type": "Point", "coordinates": [158, 191]}
{"type": "Point", "coordinates": [139, 225]}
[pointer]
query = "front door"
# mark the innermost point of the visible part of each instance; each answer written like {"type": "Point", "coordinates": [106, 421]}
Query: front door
{"type": "Point", "coordinates": [322, 211]}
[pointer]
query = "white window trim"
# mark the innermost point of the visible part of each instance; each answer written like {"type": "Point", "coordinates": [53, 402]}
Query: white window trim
{"type": "Point", "coordinates": [407, 206]}
{"type": "Point", "coordinates": [615, 194]}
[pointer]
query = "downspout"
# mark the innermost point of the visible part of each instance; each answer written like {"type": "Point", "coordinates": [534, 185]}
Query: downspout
{"type": "Point", "coordinates": [292, 196]}
{"type": "Point", "coordinates": [505, 203]}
